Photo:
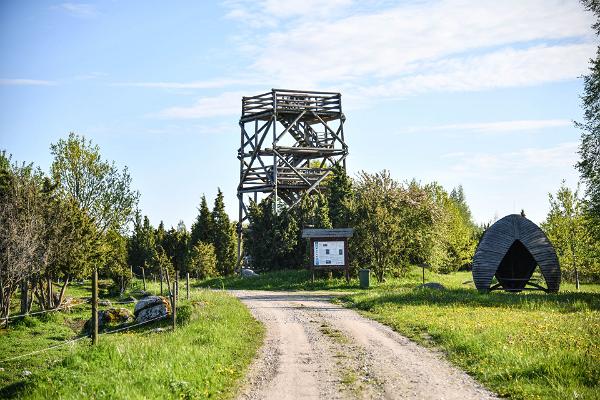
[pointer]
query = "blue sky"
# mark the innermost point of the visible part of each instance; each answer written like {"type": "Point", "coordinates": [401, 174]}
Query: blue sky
{"type": "Point", "coordinates": [478, 93]}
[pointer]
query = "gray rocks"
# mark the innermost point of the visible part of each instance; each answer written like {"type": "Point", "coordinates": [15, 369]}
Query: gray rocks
{"type": "Point", "coordinates": [112, 316]}
{"type": "Point", "coordinates": [105, 303]}
{"type": "Point", "coordinates": [248, 273]}
{"type": "Point", "coordinates": [151, 307]}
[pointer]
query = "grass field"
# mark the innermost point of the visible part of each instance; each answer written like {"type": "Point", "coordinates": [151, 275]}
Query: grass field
{"type": "Point", "coordinates": [528, 345]}
{"type": "Point", "coordinates": [204, 358]}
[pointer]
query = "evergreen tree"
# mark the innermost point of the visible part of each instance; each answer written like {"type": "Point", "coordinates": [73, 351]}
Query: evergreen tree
{"type": "Point", "coordinates": [589, 150]}
{"type": "Point", "coordinates": [202, 227]}
{"type": "Point", "coordinates": [272, 239]}
{"type": "Point", "coordinates": [223, 237]}
{"type": "Point", "coordinates": [339, 196]}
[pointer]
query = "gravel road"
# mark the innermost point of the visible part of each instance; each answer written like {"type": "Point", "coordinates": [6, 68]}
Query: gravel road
{"type": "Point", "coordinates": [318, 350]}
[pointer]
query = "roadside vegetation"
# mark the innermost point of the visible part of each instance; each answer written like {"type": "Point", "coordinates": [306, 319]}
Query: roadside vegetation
{"type": "Point", "coordinates": [207, 355]}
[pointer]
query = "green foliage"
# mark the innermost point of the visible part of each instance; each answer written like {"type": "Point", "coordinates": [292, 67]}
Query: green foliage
{"type": "Point", "coordinates": [393, 223]}
{"type": "Point", "coordinates": [175, 245]}
{"type": "Point", "coordinates": [454, 234]}
{"type": "Point", "coordinates": [115, 259]}
{"type": "Point", "coordinates": [202, 227]}
{"type": "Point", "coordinates": [589, 149]}
{"type": "Point", "coordinates": [223, 237]}
{"type": "Point", "coordinates": [99, 188]}
{"type": "Point", "coordinates": [141, 246]}
{"type": "Point", "coordinates": [271, 238]}
{"type": "Point", "coordinates": [202, 260]}
{"type": "Point", "coordinates": [568, 228]}
{"type": "Point", "coordinates": [340, 194]}
{"type": "Point", "coordinates": [216, 335]}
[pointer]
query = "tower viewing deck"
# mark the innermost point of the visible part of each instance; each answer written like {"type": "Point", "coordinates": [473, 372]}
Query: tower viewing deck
{"type": "Point", "coordinates": [290, 141]}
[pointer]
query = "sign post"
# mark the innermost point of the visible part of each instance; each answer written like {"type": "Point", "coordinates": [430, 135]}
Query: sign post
{"type": "Point", "coordinates": [329, 249]}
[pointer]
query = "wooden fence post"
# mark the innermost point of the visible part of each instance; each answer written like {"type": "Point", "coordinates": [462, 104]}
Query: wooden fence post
{"type": "Point", "coordinates": [187, 285]}
{"type": "Point", "coordinates": [161, 281]}
{"type": "Point", "coordinates": [174, 303]}
{"type": "Point", "coordinates": [144, 278]}
{"type": "Point", "coordinates": [95, 306]}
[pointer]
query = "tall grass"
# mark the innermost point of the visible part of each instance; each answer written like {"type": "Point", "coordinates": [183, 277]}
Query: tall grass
{"type": "Point", "coordinates": [204, 358]}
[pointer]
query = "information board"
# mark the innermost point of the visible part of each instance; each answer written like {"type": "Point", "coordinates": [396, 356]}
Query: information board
{"type": "Point", "coordinates": [329, 253]}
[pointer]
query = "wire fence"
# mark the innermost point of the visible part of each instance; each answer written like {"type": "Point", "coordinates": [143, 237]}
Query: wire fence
{"type": "Point", "coordinates": [85, 302]}
{"type": "Point", "coordinates": [71, 341]}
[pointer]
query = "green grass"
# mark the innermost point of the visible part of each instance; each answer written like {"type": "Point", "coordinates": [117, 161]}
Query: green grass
{"type": "Point", "coordinates": [204, 358]}
{"type": "Point", "coordinates": [281, 280]}
{"type": "Point", "coordinates": [523, 346]}
{"type": "Point", "coordinates": [528, 345]}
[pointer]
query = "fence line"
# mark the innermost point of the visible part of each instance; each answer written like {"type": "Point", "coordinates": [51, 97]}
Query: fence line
{"type": "Point", "coordinates": [80, 338]}
{"type": "Point", "coordinates": [43, 311]}
{"type": "Point", "coordinates": [46, 349]}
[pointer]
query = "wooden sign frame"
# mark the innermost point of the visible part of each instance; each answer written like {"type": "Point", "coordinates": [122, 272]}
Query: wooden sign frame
{"type": "Point", "coordinates": [328, 235]}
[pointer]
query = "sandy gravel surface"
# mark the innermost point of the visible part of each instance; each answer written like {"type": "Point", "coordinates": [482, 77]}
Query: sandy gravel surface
{"type": "Point", "coordinates": [318, 350]}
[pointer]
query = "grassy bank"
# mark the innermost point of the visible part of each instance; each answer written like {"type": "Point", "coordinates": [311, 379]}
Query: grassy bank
{"type": "Point", "coordinates": [204, 358]}
{"type": "Point", "coordinates": [523, 346]}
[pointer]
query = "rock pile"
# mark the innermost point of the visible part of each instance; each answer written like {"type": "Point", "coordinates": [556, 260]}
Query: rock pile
{"type": "Point", "coordinates": [151, 307]}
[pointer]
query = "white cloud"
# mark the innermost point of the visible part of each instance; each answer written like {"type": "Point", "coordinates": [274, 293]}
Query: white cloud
{"type": "Point", "coordinates": [504, 68]}
{"type": "Point", "coordinates": [404, 39]}
{"type": "Point", "coordinates": [227, 103]}
{"type": "Point", "coordinates": [81, 10]}
{"type": "Point", "coordinates": [27, 82]}
{"type": "Point", "coordinates": [212, 84]}
{"type": "Point", "coordinates": [510, 165]}
{"type": "Point", "coordinates": [496, 126]}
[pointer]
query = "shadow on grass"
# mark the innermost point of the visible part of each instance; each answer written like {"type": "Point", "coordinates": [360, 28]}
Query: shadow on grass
{"type": "Point", "coordinates": [562, 302]}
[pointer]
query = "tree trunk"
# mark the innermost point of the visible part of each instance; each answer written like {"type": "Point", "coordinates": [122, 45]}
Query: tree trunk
{"type": "Point", "coordinates": [50, 300]}
{"type": "Point", "coordinates": [24, 296]}
{"type": "Point", "coordinates": [62, 291]}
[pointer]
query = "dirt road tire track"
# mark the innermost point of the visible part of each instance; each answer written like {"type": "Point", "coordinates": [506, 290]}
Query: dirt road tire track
{"type": "Point", "coordinates": [318, 350]}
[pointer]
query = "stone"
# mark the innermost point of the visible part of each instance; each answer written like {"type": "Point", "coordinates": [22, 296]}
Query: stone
{"type": "Point", "coordinates": [432, 285]}
{"type": "Point", "coordinates": [248, 273]}
{"type": "Point", "coordinates": [111, 316]}
{"type": "Point", "coordinates": [26, 373]}
{"type": "Point", "coordinates": [151, 307]}
{"type": "Point", "coordinates": [106, 303]}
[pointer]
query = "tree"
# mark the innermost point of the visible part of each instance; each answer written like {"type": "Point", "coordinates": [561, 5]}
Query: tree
{"type": "Point", "coordinates": [272, 238]}
{"type": "Point", "coordinates": [21, 227]}
{"type": "Point", "coordinates": [223, 237]}
{"type": "Point", "coordinates": [202, 260]}
{"type": "Point", "coordinates": [340, 193]}
{"type": "Point", "coordinates": [589, 149]}
{"type": "Point", "coordinates": [99, 188]}
{"type": "Point", "coordinates": [567, 228]}
{"type": "Point", "coordinates": [202, 227]}
{"type": "Point", "coordinates": [453, 234]}
{"type": "Point", "coordinates": [141, 246]}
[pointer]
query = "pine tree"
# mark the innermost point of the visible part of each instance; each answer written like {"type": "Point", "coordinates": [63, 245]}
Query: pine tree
{"type": "Point", "coordinates": [202, 227]}
{"type": "Point", "coordinates": [223, 238]}
{"type": "Point", "coordinates": [589, 150]}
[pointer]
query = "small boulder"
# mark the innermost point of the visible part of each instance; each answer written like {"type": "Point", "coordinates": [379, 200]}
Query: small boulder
{"type": "Point", "coordinates": [432, 285]}
{"type": "Point", "coordinates": [248, 273]}
{"type": "Point", "coordinates": [111, 316]}
{"type": "Point", "coordinates": [151, 307]}
{"type": "Point", "coordinates": [105, 303]}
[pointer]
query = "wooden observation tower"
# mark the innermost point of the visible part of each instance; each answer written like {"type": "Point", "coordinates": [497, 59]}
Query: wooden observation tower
{"type": "Point", "coordinates": [290, 140]}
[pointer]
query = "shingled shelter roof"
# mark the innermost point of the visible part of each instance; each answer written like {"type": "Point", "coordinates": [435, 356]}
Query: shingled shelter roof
{"type": "Point", "coordinates": [510, 249]}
